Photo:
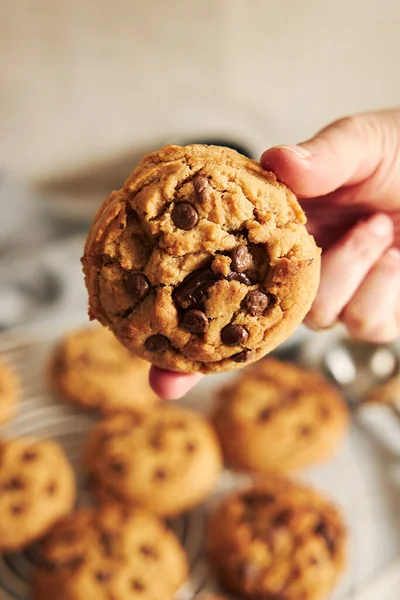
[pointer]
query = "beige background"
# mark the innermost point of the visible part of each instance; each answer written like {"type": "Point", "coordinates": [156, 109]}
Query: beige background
{"type": "Point", "coordinates": [82, 80]}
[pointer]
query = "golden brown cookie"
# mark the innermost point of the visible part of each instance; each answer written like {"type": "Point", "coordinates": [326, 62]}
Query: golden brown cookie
{"type": "Point", "coordinates": [91, 368]}
{"type": "Point", "coordinates": [279, 540]}
{"type": "Point", "coordinates": [9, 391]}
{"type": "Point", "coordinates": [37, 488]}
{"type": "Point", "coordinates": [112, 553]}
{"type": "Point", "coordinates": [166, 460]}
{"type": "Point", "coordinates": [202, 261]}
{"type": "Point", "coordinates": [279, 417]}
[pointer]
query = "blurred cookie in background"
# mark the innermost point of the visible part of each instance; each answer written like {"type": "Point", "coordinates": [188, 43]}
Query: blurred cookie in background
{"type": "Point", "coordinates": [388, 393]}
{"type": "Point", "coordinates": [9, 391]}
{"type": "Point", "coordinates": [278, 417]}
{"type": "Point", "coordinates": [37, 488]}
{"type": "Point", "coordinates": [110, 553]}
{"type": "Point", "coordinates": [91, 368]}
{"type": "Point", "coordinates": [277, 540]}
{"type": "Point", "coordinates": [166, 459]}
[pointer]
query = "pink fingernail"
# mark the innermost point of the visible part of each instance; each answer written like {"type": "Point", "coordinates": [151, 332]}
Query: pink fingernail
{"type": "Point", "coordinates": [381, 225]}
{"type": "Point", "coordinates": [297, 150]}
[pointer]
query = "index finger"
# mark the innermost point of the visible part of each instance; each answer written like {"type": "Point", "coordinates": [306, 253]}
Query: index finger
{"type": "Point", "coordinates": [170, 385]}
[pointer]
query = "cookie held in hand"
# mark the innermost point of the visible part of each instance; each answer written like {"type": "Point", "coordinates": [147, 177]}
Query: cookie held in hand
{"type": "Point", "coordinates": [202, 261]}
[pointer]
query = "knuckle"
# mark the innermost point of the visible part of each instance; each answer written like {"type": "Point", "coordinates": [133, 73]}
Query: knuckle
{"type": "Point", "coordinates": [361, 327]}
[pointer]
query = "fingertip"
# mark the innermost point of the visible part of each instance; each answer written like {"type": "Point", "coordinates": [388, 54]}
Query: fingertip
{"type": "Point", "coordinates": [293, 166]}
{"type": "Point", "coordinates": [170, 385]}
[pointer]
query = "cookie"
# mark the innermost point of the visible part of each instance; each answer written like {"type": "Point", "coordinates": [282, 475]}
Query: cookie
{"type": "Point", "coordinates": [113, 553]}
{"type": "Point", "coordinates": [202, 261]}
{"type": "Point", "coordinates": [278, 540]}
{"type": "Point", "coordinates": [91, 368]}
{"type": "Point", "coordinates": [166, 460]}
{"type": "Point", "coordinates": [37, 488]}
{"type": "Point", "coordinates": [388, 393]}
{"type": "Point", "coordinates": [9, 392]}
{"type": "Point", "coordinates": [279, 417]}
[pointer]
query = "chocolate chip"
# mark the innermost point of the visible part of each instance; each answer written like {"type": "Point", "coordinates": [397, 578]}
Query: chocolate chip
{"type": "Point", "coordinates": [102, 576]}
{"type": "Point", "coordinates": [256, 302]}
{"type": "Point", "coordinates": [29, 456]}
{"type": "Point", "coordinates": [313, 560]}
{"type": "Point", "coordinates": [157, 343]}
{"type": "Point", "coordinates": [240, 277]}
{"type": "Point", "coordinates": [138, 585]}
{"type": "Point", "coordinates": [241, 357]}
{"type": "Point", "coordinates": [253, 500]}
{"type": "Point", "coordinates": [122, 226]}
{"type": "Point", "coordinates": [195, 321]}
{"type": "Point", "coordinates": [184, 216]}
{"type": "Point", "coordinates": [17, 509]}
{"type": "Point", "coordinates": [15, 483]}
{"type": "Point", "coordinates": [282, 519]}
{"type": "Point", "coordinates": [107, 539]}
{"type": "Point", "coordinates": [201, 187]}
{"type": "Point", "coordinates": [51, 488]}
{"type": "Point", "coordinates": [264, 414]}
{"type": "Point", "coordinates": [190, 447]}
{"type": "Point", "coordinates": [193, 288]}
{"type": "Point", "coordinates": [156, 442]}
{"type": "Point", "coordinates": [241, 258]}
{"type": "Point", "coordinates": [305, 431]}
{"type": "Point", "coordinates": [234, 335]}
{"type": "Point", "coordinates": [324, 412]}
{"type": "Point", "coordinates": [149, 551]}
{"type": "Point", "coordinates": [118, 467]}
{"type": "Point", "coordinates": [160, 474]}
{"type": "Point", "coordinates": [137, 285]}
{"type": "Point", "coordinates": [323, 530]}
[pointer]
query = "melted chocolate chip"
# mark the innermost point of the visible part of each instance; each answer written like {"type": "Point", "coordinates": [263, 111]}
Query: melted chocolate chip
{"type": "Point", "coordinates": [193, 288]}
{"type": "Point", "coordinates": [51, 488]}
{"type": "Point", "coordinates": [157, 343]}
{"type": "Point", "coordinates": [121, 226]}
{"type": "Point", "coordinates": [323, 530]}
{"type": "Point", "coordinates": [29, 456]}
{"type": "Point", "coordinates": [253, 500]}
{"type": "Point", "coordinates": [195, 321]}
{"type": "Point", "coordinates": [17, 509]}
{"type": "Point", "coordinates": [241, 258]}
{"type": "Point", "coordinates": [118, 467]}
{"type": "Point", "coordinates": [138, 585]}
{"type": "Point", "coordinates": [305, 431]}
{"type": "Point", "coordinates": [15, 483]}
{"type": "Point", "coordinates": [160, 474]}
{"type": "Point", "coordinates": [282, 519]}
{"type": "Point", "coordinates": [265, 414]}
{"type": "Point", "coordinates": [240, 277]}
{"type": "Point", "coordinates": [241, 357]}
{"type": "Point", "coordinates": [324, 412]}
{"type": "Point", "coordinates": [256, 302]}
{"type": "Point", "coordinates": [107, 539]}
{"type": "Point", "coordinates": [148, 551]}
{"type": "Point", "coordinates": [137, 285]}
{"type": "Point", "coordinates": [102, 576]}
{"type": "Point", "coordinates": [234, 335]}
{"type": "Point", "coordinates": [184, 216]}
{"type": "Point", "coordinates": [201, 187]}
{"type": "Point", "coordinates": [156, 442]}
{"type": "Point", "coordinates": [190, 447]}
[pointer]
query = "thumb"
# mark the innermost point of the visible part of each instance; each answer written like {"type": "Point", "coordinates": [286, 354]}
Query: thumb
{"type": "Point", "coordinates": [345, 153]}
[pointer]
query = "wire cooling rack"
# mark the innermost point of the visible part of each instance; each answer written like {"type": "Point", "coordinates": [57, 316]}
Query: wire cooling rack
{"type": "Point", "coordinates": [361, 479]}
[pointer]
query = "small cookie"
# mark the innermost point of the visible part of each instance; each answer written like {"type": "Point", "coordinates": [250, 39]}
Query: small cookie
{"type": "Point", "coordinates": [388, 393]}
{"type": "Point", "coordinates": [112, 553]}
{"type": "Point", "coordinates": [166, 460]}
{"type": "Point", "coordinates": [37, 487]}
{"type": "Point", "coordinates": [279, 417]}
{"type": "Point", "coordinates": [278, 540]}
{"type": "Point", "coordinates": [91, 368]}
{"type": "Point", "coordinates": [202, 261]}
{"type": "Point", "coordinates": [9, 391]}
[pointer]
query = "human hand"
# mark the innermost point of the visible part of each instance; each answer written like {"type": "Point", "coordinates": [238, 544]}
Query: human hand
{"type": "Point", "coordinates": [347, 179]}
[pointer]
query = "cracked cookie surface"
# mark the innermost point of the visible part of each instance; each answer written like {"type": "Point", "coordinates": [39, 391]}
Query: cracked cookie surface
{"type": "Point", "coordinates": [278, 541]}
{"type": "Point", "coordinates": [90, 367]}
{"type": "Point", "coordinates": [37, 487]}
{"type": "Point", "coordinates": [202, 261]}
{"type": "Point", "coordinates": [166, 460]}
{"type": "Point", "coordinates": [112, 553]}
{"type": "Point", "coordinates": [9, 391]}
{"type": "Point", "coordinates": [279, 417]}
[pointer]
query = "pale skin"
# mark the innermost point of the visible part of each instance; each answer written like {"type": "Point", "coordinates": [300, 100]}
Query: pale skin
{"type": "Point", "coordinates": [347, 178]}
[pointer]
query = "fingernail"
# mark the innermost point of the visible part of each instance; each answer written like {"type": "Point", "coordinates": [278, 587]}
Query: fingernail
{"type": "Point", "coordinates": [394, 255]}
{"type": "Point", "coordinates": [297, 150]}
{"type": "Point", "coordinates": [381, 225]}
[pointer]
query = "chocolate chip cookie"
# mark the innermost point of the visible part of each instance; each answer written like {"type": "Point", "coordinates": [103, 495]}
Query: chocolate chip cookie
{"type": "Point", "coordinates": [166, 460]}
{"type": "Point", "coordinates": [112, 553]}
{"type": "Point", "coordinates": [202, 261]}
{"type": "Point", "coordinates": [277, 416]}
{"type": "Point", "coordinates": [91, 368]}
{"type": "Point", "coordinates": [278, 540]}
{"type": "Point", "coordinates": [37, 487]}
{"type": "Point", "coordinates": [9, 391]}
